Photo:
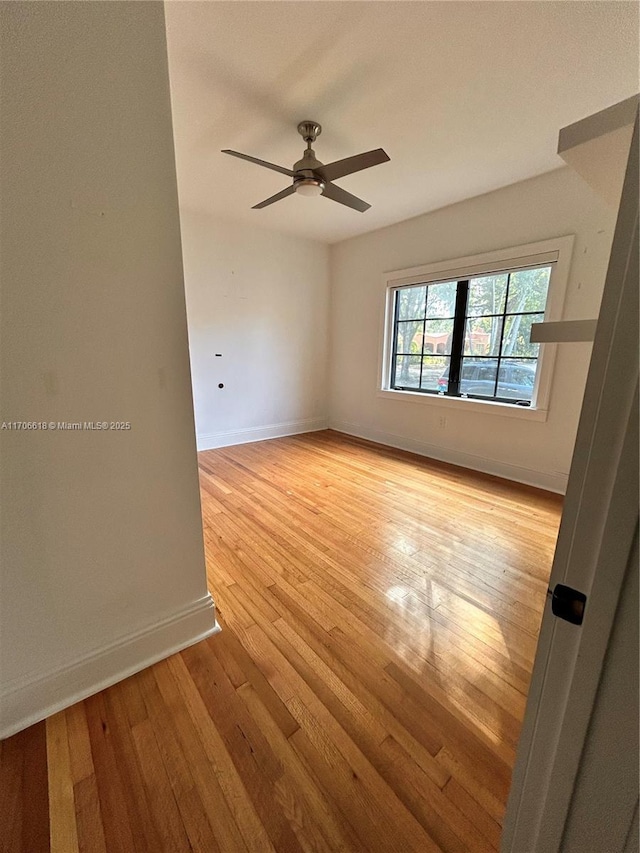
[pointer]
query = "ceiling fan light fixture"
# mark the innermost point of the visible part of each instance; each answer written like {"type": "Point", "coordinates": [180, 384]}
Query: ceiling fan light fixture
{"type": "Point", "coordinates": [309, 187]}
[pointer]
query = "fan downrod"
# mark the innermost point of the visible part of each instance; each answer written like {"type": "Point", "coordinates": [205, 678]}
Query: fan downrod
{"type": "Point", "coordinates": [309, 131]}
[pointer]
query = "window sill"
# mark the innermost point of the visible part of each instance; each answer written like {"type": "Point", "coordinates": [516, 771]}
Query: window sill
{"type": "Point", "coordinates": [488, 407]}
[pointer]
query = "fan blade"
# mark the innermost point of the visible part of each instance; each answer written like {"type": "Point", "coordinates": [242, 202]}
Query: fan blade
{"type": "Point", "coordinates": [338, 194]}
{"type": "Point", "coordinates": [264, 163]}
{"type": "Point", "coordinates": [275, 197]}
{"type": "Point", "coordinates": [341, 168]}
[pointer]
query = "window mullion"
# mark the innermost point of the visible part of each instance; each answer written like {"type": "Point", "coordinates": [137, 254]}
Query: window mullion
{"type": "Point", "coordinates": [424, 332]}
{"type": "Point", "coordinates": [396, 311]}
{"type": "Point", "coordinates": [504, 323]}
{"type": "Point", "coordinates": [457, 338]}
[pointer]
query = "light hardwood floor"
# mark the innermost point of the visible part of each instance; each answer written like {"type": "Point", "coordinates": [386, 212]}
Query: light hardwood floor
{"type": "Point", "coordinates": [380, 614]}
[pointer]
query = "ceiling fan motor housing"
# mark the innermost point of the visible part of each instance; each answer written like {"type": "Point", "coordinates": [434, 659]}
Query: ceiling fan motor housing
{"type": "Point", "coordinates": [305, 180]}
{"type": "Point", "coordinates": [308, 164]}
{"type": "Point", "coordinates": [309, 161]}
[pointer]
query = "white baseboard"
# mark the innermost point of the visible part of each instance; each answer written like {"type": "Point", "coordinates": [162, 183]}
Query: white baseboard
{"type": "Point", "coordinates": [225, 438]}
{"type": "Point", "coordinates": [550, 481]}
{"type": "Point", "coordinates": [26, 701]}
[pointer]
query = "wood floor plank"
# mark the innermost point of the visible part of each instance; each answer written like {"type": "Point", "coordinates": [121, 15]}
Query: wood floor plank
{"type": "Point", "coordinates": [24, 798]}
{"type": "Point", "coordinates": [12, 758]}
{"type": "Point", "coordinates": [79, 743]}
{"type": "Point", "coordinates": [483, 828]}
{"type": "Point", "coordinates": [35, 800]}
{"type": "Point", "coordinates": [145, 829]}
{"type": "Point", "coordinates": [89, 819]}
{"type": "Point", "coordinates": [159, 792]}
{"type": "Point", "coordinates": [64, 833]}
{"type": "Point", "coordinates": [466, 777]}
{"type": "Point", "coordinates": [118, 832]}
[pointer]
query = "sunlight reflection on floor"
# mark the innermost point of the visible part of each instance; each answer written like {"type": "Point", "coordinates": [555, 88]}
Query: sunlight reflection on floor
{"type": "Point", "coordinates": [433, 650]}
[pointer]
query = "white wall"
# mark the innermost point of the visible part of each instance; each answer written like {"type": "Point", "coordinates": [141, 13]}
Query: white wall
{"type": "Point", "coordinates": [102, 556]}
{"type": "Point", "coordinates": [555, 204]}
{"type": "Point", "coordinates": [261, 299]}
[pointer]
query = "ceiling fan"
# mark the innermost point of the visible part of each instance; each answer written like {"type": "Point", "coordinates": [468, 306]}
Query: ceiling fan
{"type": "Point", "coordinates": [313, 178]}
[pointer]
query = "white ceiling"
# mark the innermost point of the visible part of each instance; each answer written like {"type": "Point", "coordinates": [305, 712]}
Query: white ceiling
{"type": "Point", "coordinates": [465, 97]}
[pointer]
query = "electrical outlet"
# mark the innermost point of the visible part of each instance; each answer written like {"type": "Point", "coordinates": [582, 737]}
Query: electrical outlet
{"type": "Point", "coordinates": [442, 421]}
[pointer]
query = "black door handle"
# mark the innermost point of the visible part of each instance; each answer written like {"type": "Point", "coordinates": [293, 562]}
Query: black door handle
{"type": "Point", "coordinates": [567, 603]}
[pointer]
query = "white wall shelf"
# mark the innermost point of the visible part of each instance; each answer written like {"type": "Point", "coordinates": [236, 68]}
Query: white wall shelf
{"type": "Point", "coordinates": [563, 331]}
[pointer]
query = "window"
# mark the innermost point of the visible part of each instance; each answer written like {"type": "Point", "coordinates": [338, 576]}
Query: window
{"type": "Point", "coordinates": [461, 330]}
{"type": "Point", "coordinates": [480, 328]}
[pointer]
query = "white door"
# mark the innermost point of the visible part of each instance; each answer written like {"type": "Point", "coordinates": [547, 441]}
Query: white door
{"type": "Point", "coordinates": [595, 547]}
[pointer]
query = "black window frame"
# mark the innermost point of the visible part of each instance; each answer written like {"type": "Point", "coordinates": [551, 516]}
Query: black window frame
{"type": "Point", "coordinates": [457, 356]}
